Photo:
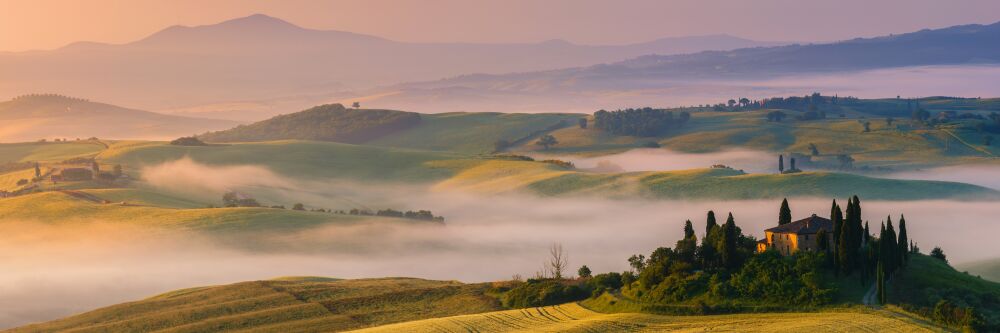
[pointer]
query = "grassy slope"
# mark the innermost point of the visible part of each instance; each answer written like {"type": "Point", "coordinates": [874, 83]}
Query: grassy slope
{"type": "Point", "coordinates": [284, 305]}
{"type": "Point", "coordinates": [925, 280]}
{"type": "Point", "coordinates": [898, 145]}
{"type": "Point", "coordinates": [576, 318]}
{"type": "Point", "coordinates": [318, 160]}
{"type": "Point", "coordinates": [987, 269]}
{"type": "Point", "coordinates": [470, 132]}
{"type": "Point", "coordinates": [499, 176]}
{"type": "Point", "coordinates": [47, 151]}
{"type": "Point", "coordinates": [57, 207]}
{"type": "Point", "coordinates": [303, 159]}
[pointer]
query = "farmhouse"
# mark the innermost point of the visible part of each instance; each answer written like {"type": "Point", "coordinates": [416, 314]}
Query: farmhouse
{"type": "Point", "coordinates": [796, 236]}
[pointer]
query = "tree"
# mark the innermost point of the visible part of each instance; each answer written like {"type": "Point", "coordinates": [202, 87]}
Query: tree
{"type": "Point", "coordinates": [938, 253]}
{"type": "Point", "coordinates": [546, 141]}
{"type": "Point", "coordinates": [558, 260]}
{"type": "Point", "coordinates": [38, 171]}
{"type": "Point", "coordinates": [846, 161]}
{"type": "Point", "coordinates": [728, 244]}
{"type": "Point", "coordinates": [784, 213]}
{"type": "Point", "coordinates": [822, 241]}
{"type": "Point", "coordinates": [637, 262]}
{"type": "Point", "coordinates": [792, 164]}
{"type": "Point", "coordinates": [710, 223]}
{"type": "Point", "coordinates": [781, 163]}
{"type": "Point", "coordinates": [583, 272]}
{"type": "Point", "coordinates": [731, 102]}
{"type": "Point", "coordinates": [888, 121]}
{"type": "Point", "coordinates": [880, 284]}
{"type": "Point", "coordinates": [744, 102]}
{"type": "Point", "coordinates": [356, 105]}
{"type": "Point", "coordinates": [298, 206]}
{"type": "Point", "coordinates": [707, 251]}
{"type": "Point", "coordinates": [904, 242]}
{"type": "Point", "coordinates": [868, 127]}
{"type": "Point", "coordinates": [837, 217]}
{"type": "Point", "coordinates": [813, 149]}
{"type": "Point", "coordinates": [583, 123]}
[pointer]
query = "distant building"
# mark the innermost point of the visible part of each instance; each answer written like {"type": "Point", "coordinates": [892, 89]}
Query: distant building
{"type": "Point", "coordinates": [796, 236]}
{"type": "Point", "coordinates": [76, 174]}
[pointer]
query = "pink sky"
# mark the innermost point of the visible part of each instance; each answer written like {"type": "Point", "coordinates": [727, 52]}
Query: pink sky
{"type": "Point", "coordinates": [46, 24]}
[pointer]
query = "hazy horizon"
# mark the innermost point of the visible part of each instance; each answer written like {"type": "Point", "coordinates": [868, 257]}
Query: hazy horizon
{"type": "Point", "coordinates": [29, 26]}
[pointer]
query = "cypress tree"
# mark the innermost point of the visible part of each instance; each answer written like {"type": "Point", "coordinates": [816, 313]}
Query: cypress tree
{"type": "Point", "coordinates": [904, 242]}
{"type": "Point", "coordinates": [837, 216]}
{"type": "Point", "coordinates": [891, 247]}
{"type": "Point", "coordinates": [728, 243]}
{"type": "Point", "coordinates": [710, 223]}
{"type": "Point", "coordinates": [880, 284]}
{"type": "Point", "coordinates": [781, 163]}
{"type": "Point", "coordinates": [38, 171]}
{"type": "Point", "coordinates": [822, 241]}
{"type": "Point", "coordinates": [785, 213]}
{"type": "Point", "coordinates": [689, 230]}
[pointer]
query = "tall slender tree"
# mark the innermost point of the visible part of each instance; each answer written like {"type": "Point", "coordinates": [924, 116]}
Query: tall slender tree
{"type": "Point", "coordinates": [784, 213]}
{"type": "Point", "coordinates": [903, 241]}
{"type": "Point", "coordinates": [728, 251]}
{"type": "Point", "coordinates": [707, 252]}
{"type": "Point", "coordinates": [710, 223]}
{"type": "Point", "coordinates": [781, 163]}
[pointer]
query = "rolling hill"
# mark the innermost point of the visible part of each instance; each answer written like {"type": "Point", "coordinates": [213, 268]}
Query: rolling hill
{"type": "Point", "coordinates": [262, 58]}
{"type": "Point", "coordinates": [331, 122]}
{"type": "Point", "coordinates": [695, 78]}
{"type": "Point", "coordinates": [987, 269]}
{"type": "Point", "coordinates": [299, 304]}
{"type": "Point", "coordinates": [34, 117]}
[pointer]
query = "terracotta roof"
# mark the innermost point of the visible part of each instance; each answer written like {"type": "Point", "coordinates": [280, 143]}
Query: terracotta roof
{"type": "Point", "coordinates": [809, 225]}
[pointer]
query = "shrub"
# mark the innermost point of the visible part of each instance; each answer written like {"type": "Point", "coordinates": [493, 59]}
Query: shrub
{"type": "Point", "coordinates": [187, 141]}
{"type": "Point", "coordinates": [542, 293]}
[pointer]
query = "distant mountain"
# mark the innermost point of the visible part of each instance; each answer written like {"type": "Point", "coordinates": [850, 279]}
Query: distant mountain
{"type": "Point", "coordinates": [34, 117]}
{"type": "Point", "coordinates": [261, 57]}
{"type": "Point", "coordinates": [647, 78]}
{"type": "Point", "coordinates": [331, 122]}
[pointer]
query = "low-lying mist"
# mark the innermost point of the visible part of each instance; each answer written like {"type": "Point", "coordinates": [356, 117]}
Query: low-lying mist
{"type": "Point", "coordinates": [52, 270]}
{"type": "Point", "coordinates": [659, 159]}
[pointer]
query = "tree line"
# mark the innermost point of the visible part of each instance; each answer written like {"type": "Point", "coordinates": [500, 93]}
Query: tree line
{"type": "Point", "coordinates": [639, 122]}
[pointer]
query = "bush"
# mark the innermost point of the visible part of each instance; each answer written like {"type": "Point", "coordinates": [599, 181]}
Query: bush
{"type": "Point", "coordinates": [187, 141]}
{"type": "Point", "coordinates": [542, 293]}
{"type": "Point", "coordinates": [606, 281]}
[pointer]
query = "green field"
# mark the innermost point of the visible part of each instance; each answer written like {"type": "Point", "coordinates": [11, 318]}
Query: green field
{"type": "Point", "coordinates": [900, 146]}
{"type": "Point", "coordinates": [473, 133]}
{"type": "Point", "coordinates": [283, 305]}
{"type": "Point", "coordinates": [48, 151]}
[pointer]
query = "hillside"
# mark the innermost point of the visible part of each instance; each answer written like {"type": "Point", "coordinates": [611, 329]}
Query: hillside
{"type": "Point", "coordinates": [300, 304]}
{"type": "Point", "coordinates": [905, 64]}
{"type": "Point", "coordinates": [259, 57]}
{"type": "Point", "coordinates": [452, 171]}
{"type": "Point", "coordinates": [576, 318]}
{"type": "Point", "coordinates": [331, 122]}
{"type": "Point", "coordinates": [34, 117]}
{"type": "Point", "coordinates": [987, 269]}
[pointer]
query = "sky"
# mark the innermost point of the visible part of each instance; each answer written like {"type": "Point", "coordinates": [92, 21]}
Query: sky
{"type": "Point", "coordinates": [48, 24]}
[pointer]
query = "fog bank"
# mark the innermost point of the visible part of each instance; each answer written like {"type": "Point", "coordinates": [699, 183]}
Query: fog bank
{"type": "Point", "coordinates": [660, 159]}
{"type": "Point", "coordinates": [52, 271]}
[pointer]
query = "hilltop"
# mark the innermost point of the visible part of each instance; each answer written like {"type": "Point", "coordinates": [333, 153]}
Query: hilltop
{"type": "Point", "coordinates": [331, 122]}
{"type": "Point", "coordinates": [34, 117]}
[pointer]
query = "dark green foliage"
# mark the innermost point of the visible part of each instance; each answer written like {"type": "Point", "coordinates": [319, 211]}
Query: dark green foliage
{"type": "Point", "coordinates": [773, 278]}
{"type": "Point", "coordinates": [728, 250]}
{"type": "Point", "coordinates": [22, 182]}
{"type": "Point", "coordinates": [938, 253]}
{"type": "Point", "coordinates": [880, 284]}
{"type": "Point", "coordinates": [583, 123]}
{"type": "Point", "coordinates": [813, 149]}
{"type": "Point", "coordinates": [606, 281]}
{"type": "Point", "coordinates": [541, 293]}
{"type": "Point", "coordinates": [784, 213]}
{"type": "Point", "coordinates": [776, 116]}
{"type": "Point", "coordinates": [823, 241]}
{"type": "Point", "coordinates": [330, 122]}
{"type": "Point", "coordinates": [583, 272]}
{"type": "Point", "coordinates": [638, 122]}
{"type": "Point", "coordinates": [298, 206]}
{"type": "Point", "coordinates": [187, 141]}
{"type": "Point", "coordinates": [547, 141]}
{"type": "Point", "coordinates": [38, 171]}
{"type": "Point", "coordinates": [233, 199]}
{"type": "Point", "coordinates": [903, 242]}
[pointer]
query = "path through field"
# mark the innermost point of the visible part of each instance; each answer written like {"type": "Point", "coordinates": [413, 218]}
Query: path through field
{"type": "Point", "coordinates": [575, 318]}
